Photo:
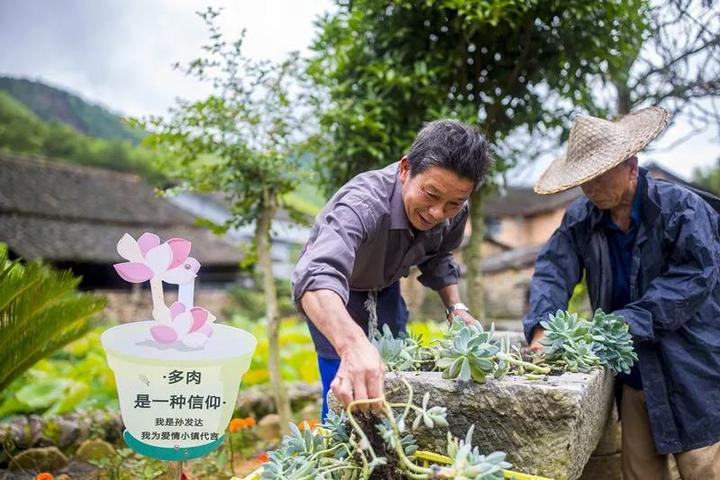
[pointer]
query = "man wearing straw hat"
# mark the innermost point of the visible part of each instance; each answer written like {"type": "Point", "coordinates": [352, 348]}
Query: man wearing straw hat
{"type": "Point", "coordinates": [649, 252]}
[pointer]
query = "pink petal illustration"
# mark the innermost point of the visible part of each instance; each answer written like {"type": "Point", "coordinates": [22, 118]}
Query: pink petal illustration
{"type": "Point", "coordinates": [200, 318]}
{"type": "Point", "coordinates": [148, 241]}
{"type": "Point", "coordinates": [182, 323]}
{"type": "Point", "coordinates": [176, 309]}
{"type": "Point", "coordinates": [207, 330]}
{"type": "Point", "coordinates": [163, 334]}
{"type": "Point", "coordinates": [133, 272]}
{"type": "Point", "coordinates": [128, 248]}
{"type": "Point", "coordinates": [158, 258]}
{"type": "Point", "coordinates": [180, 250]}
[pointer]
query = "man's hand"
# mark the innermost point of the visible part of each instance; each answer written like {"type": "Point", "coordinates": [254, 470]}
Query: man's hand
{"type": "Point", "coordinates": [464, 316]}
{"type": "Point", "coordinates": [361, 374]}
{"type": "Point", "coordinates": [535, 345]}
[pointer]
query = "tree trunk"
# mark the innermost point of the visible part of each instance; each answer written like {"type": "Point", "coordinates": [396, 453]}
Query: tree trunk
{"type": "Point", "coordinates": [623, 97]}
{"type": "Point", "coordinates": [621, 81]}
{"type": "Point", "coordinates": [473, 257]}
{"type": "Point", "coordinates": [262, 239]}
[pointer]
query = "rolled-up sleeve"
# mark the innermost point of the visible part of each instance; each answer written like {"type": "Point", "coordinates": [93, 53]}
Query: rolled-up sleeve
{"type": "Point", "coordinates": [441, 269]}
{"type": "Point", "coordinates": [328, 259]}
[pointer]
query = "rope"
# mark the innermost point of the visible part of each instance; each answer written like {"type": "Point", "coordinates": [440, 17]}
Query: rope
{"type": "Point", "coordinates": [371, 308]}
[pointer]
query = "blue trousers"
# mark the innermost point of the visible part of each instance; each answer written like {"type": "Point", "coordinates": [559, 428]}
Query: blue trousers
{"type": "Point", "coordinates": [391, 310]}
{"type": "Point", "coordinates": [328, 369]}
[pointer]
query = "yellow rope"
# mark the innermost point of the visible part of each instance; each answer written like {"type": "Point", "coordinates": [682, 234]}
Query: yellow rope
{"type": "Point", "coordinates": [442, 459]}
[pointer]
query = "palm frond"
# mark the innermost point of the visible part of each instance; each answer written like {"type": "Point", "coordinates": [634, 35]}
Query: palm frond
{"type": "Point", "coordinates": [40, 311]}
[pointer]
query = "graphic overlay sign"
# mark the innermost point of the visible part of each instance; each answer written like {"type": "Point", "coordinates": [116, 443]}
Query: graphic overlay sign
{"type": "Point", "coordinates": [177, 375]}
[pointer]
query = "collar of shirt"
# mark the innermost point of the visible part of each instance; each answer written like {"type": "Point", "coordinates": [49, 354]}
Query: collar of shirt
{"type": "Point", "coordinates": [398, 217]}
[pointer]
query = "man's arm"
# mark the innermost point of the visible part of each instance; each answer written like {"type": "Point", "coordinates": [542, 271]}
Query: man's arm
{"type": "Point", "coordinates": [321, 290]}
{"type": "Point", "coordinates": [361, 373]}
{"type": "Point", "coordinates": [450, 295]}
{"type": "Point", "coordinates": [441, 273]}
{"type": "Point", "coordinates": [558, 269]}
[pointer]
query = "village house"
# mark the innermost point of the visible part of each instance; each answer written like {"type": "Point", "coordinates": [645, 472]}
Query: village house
{"type": "Point", "coordinates": [72, 217]}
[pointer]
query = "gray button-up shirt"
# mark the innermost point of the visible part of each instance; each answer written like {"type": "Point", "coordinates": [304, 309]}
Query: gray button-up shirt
{"type": "Point", "coordinates": [362, 240]}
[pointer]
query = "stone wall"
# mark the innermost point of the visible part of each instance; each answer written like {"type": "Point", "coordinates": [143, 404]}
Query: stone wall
{"type": "Point", "coordinates": [548, 427]}
{"type": "Point", "coordinates": [605, 462]}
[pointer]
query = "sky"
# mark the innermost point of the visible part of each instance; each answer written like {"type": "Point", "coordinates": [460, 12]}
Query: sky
{"type": "Point", "coordinates": [118, 53]}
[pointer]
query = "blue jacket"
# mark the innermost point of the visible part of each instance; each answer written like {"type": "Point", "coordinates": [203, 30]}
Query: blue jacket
{"type": "Point", "coordinates": [674, 309]}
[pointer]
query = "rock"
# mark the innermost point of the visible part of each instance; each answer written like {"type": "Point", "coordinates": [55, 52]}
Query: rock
{"type": "Point", "coordinates": [611, 440]}
{"type": "Point", "coordinates": [268, 428]}
{"type": "Point", "coordinates": [70, 432]}
{"type": "Point", "coordinates": [77, 469]}
{"type": "Point", "coordinates": [29, 431]}
{"type": "Point", "coordinates": [547, 427]}
{"type": "Point", "coordinates": [37, 434]}
{"type": "Point", "coordinates": [16, 475]}
{"type": "Point", "coordinates": [603, 467]}
{"type": "Point", "coordinates": [46, 459]}
{"type": "Point", "coordinates": [94, 449]}
{"type": "Point", "coordinates": [257, 401]}
{"type": "Point", "coordinates": [17, 433]}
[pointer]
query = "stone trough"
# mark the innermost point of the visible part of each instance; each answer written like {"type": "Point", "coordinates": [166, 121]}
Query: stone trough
{"type": "Point", "coordinates": [547, 427]}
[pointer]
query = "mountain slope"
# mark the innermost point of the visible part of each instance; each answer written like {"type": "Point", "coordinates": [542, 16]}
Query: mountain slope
{"type": "Point", "coordinates": [55, 105]}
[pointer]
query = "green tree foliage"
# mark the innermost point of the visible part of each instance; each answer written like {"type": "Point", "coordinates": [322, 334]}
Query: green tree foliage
{"type": "Point", "coordinates": [518, 69]}
{"type": "Point", "coordinates": [709, 178]}
{"type": "Point", "coordinates": [21, 131]}
{"type": "Point", "coordinates": [245, 141]}
{"type": "Point", "coordinates": [389, 67]}
{"type": "Point", "coordinates": [40, 311]}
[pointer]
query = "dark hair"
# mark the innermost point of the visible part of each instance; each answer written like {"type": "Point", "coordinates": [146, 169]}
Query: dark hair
{"type": "Point", "coordinates": [453, 145]}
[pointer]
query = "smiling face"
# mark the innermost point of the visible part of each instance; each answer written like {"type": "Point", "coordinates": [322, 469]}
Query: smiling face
{"type": "Point", "coordinates": [613, 187]}
{"type": "Point", "coordinates": [432, 196]}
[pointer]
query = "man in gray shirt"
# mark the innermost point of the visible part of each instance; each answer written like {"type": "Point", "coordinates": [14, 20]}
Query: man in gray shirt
{"type": "Point", "coordinates": [377, 226]}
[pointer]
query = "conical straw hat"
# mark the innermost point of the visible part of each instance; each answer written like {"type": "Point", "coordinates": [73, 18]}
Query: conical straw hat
{"type": "Point", "coordinates": [596, 145]}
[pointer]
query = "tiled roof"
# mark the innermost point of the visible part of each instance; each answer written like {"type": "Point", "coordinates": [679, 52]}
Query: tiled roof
{"type": "Point", "coordinates": [63, 212]}
{"type": "Point", "coordinates": [523, 201]}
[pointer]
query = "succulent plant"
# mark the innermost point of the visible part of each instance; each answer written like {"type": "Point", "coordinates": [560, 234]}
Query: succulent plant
{"type": "Point", "coordinates": [468, 463]}
{"type": "Point", "coordinates": [297, 456]}
{"type": "Point", "coordinates": [568, 342]}
{"type": "Point", "coordinates": [576, 345]}
{"type": "Point", "coordinates": [467, 354]}
{"type": "Point", "coordinates": [612, 342]}
{"type": "Point", "coordinates": [341, 450]}
{"type": "Point", "coordinates": [470, 352]}
{"type": "Point", "coordinates": [404, 353]}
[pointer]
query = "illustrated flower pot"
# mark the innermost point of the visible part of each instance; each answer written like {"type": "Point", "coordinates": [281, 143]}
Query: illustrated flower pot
{"type": "Point", "coordinates": [176, 401]}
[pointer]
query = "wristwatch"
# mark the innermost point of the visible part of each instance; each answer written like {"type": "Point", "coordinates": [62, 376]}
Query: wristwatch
{"type": "Point", "coordinates": [455, 307]}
